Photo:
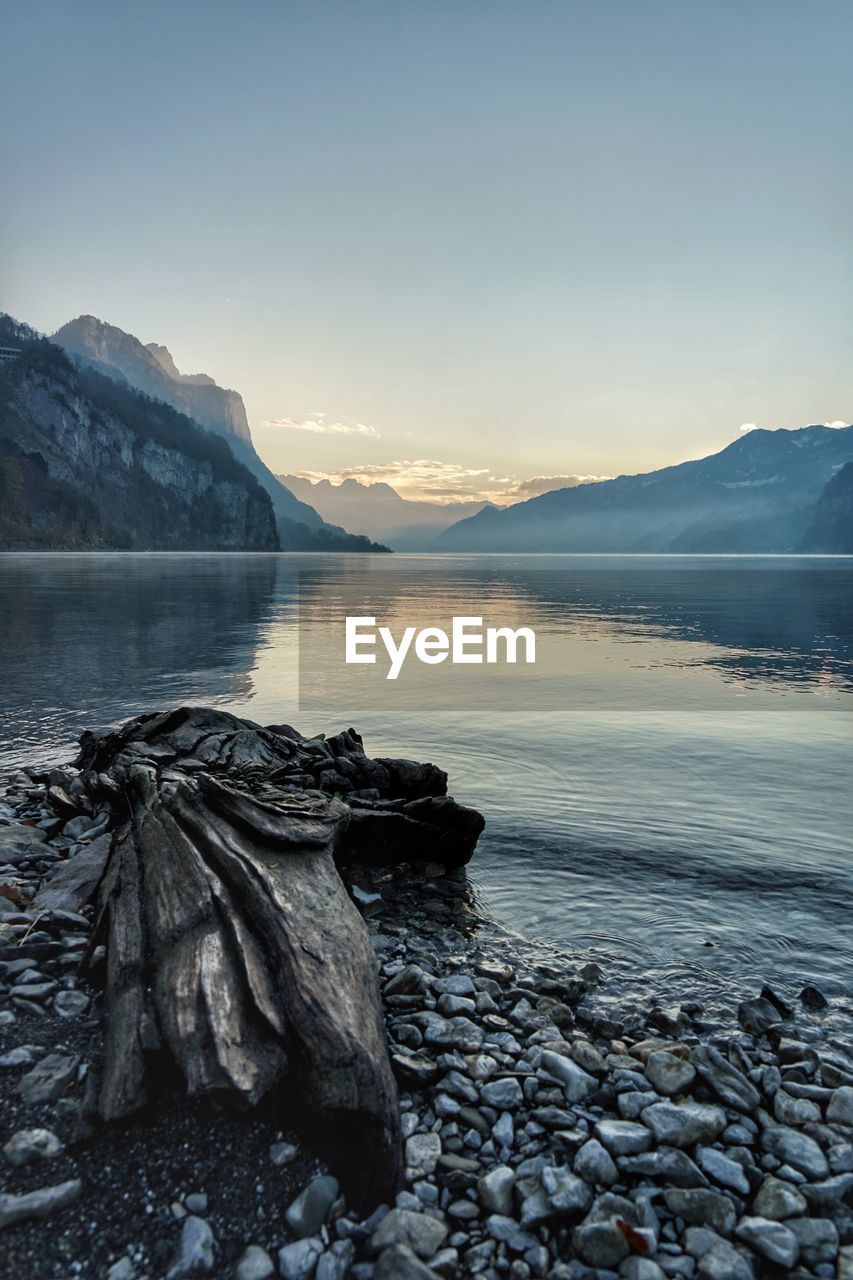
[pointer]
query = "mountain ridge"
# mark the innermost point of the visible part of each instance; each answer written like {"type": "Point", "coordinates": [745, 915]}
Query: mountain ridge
{"type": "Point", "coordinates": [146, 366]}
{"type": "Point", "coordinates": [151, 369]}
{"type": "Point", "coordinates": [758, 494]}
{"type": "Point", "coordinates": [163, 483]}
{"type": "Point", "coordinates": [379, 511]}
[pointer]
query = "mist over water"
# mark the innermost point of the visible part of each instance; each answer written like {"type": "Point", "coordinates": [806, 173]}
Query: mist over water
{"type": "Point", "coordinates": [669, 794]}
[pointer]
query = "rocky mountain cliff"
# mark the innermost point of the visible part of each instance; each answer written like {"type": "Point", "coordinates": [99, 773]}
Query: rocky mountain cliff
{"type": "Point", "coordinates": [378, 511]}
{"type": "Point", "coordinates": [151, 369]}
{"type": "Point", "coordinates": [831, 531]}
{"type": "Point", "coordinates": [756, 495]}
{"type": "Point", "coordinates": [86, 462]}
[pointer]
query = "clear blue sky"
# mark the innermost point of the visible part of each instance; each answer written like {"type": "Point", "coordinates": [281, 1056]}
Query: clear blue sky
{"type": "Point", "coordinates": [534, 238]}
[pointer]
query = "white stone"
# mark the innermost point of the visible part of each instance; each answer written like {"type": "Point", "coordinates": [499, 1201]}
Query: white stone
{"type": "Point", "coordinates": [28, 1146]}
{"type": "Point", "coordinates": [422, 1152]}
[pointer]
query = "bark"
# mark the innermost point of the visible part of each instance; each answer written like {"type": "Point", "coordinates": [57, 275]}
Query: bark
{"type": "Point", "coordinates": [232, 945]}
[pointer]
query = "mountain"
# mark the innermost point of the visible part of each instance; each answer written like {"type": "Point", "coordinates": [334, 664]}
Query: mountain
{"type": "Point", "coordinates": [88, 462]}
{"type": "Point", "coordinates": [756, 495]}
{"type": "Point", "coordinates": [831, 530]}
{"type": "Point", "coordinates": [378, 511]}
{"type": "Point", "coordinates": [151, 369]}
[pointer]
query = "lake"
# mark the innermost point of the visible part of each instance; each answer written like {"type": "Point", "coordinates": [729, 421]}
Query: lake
{"type": "Point", "coordinates": [667, 792]}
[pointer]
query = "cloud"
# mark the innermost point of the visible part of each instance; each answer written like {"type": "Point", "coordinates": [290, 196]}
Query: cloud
{"type": "Point", "coordinates": [429, 480]}
{"type": "Point", "coordinates": [544, 484]}
{"type": "Point", "coordinates": [319, 425]}
{"type": "Point", "coordinates": [838, 425]}
{"type": "Point", "coordinates": [749, 426]}
{"type": "Point", "coordinates": [416, 478]}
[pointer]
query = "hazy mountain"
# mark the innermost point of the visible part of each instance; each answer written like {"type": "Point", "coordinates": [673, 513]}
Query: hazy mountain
{"type": "Point", "coordinates": [378, 510]}
{"type": "Point", "coordinates": [86, 461]}
{"type": "Point", "coordinates": [831, 530]}
{"type": "Point", "coordinates": [758, 494]}
{"type": "Point", "coordinates": [151, 369]}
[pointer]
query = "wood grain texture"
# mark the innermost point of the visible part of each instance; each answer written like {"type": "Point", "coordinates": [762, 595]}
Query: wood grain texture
{"type": "Point", "coordinates": [233, 948]}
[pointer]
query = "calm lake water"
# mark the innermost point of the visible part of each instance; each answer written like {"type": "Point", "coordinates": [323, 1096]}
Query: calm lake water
{"type": "Point", "coordinates": [668, 791]}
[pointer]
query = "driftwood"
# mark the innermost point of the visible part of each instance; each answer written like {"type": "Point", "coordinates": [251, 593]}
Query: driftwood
{"type": "Point", "coordinates": [232, 945]}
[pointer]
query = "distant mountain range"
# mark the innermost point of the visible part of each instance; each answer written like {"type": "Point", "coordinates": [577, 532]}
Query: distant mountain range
{"type": "Point", "coordinates": [105, 443]}
{"type": "Point", "coordinates": [768, 491]}
{"type": "Point", "coordinates": [151, 370]}
{"type": "Point", "coordinates": [378, 511]}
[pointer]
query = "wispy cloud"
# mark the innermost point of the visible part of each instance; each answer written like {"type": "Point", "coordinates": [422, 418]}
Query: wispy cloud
{"type": "Point", "coordinates": [838, 425]}
{"type": "Point", "coordinates": [320, 425]}
{"type": "Point", "coordinates": [427, 479]}
{"type": "Point", "coordinates": [544, 484]}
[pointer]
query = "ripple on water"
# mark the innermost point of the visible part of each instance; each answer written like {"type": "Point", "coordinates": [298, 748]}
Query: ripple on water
{"type": "Point", "coordinates": [678, 849]}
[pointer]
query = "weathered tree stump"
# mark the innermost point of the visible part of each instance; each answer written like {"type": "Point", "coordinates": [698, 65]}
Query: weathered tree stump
{"type": "Point", "coordinates": [232, 944]}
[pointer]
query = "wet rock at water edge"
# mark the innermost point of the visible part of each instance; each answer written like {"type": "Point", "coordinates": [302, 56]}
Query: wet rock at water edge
{"type": "Point", "coordinates": [669, 1074]}
{"type": "Point", "coordinates": [813, 998]}
{"type": "Point", "coordinates": [758, 1016]}
{"type": "Point", "coordinates": [19, 842]}
{"type": "Point", "coordinates": [577, 1083]}
{"type": "Point", "coordinates": [543, 1136]}
{"type": "Point", "coordinates": [731, 1085]}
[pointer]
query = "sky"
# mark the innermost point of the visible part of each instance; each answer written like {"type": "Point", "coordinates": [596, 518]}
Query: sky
{"type": "Point", "coordinates": [472, 247]}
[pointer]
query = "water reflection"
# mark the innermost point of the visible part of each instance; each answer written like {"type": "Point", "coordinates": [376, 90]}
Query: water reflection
{"type": "Point", "coordinates": [621, 637]}
{"type": "Point", "coordinates": [635, 828]}
{"type": "Point", "coordinates": [88, 639]}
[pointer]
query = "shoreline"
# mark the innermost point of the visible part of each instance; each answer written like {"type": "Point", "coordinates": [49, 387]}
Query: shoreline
{"type": "Point", "coordinates": [547, 1133]}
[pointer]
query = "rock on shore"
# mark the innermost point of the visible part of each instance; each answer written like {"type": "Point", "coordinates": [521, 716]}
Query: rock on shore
{"type": "Point", "coordinates": [545, 1133]}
